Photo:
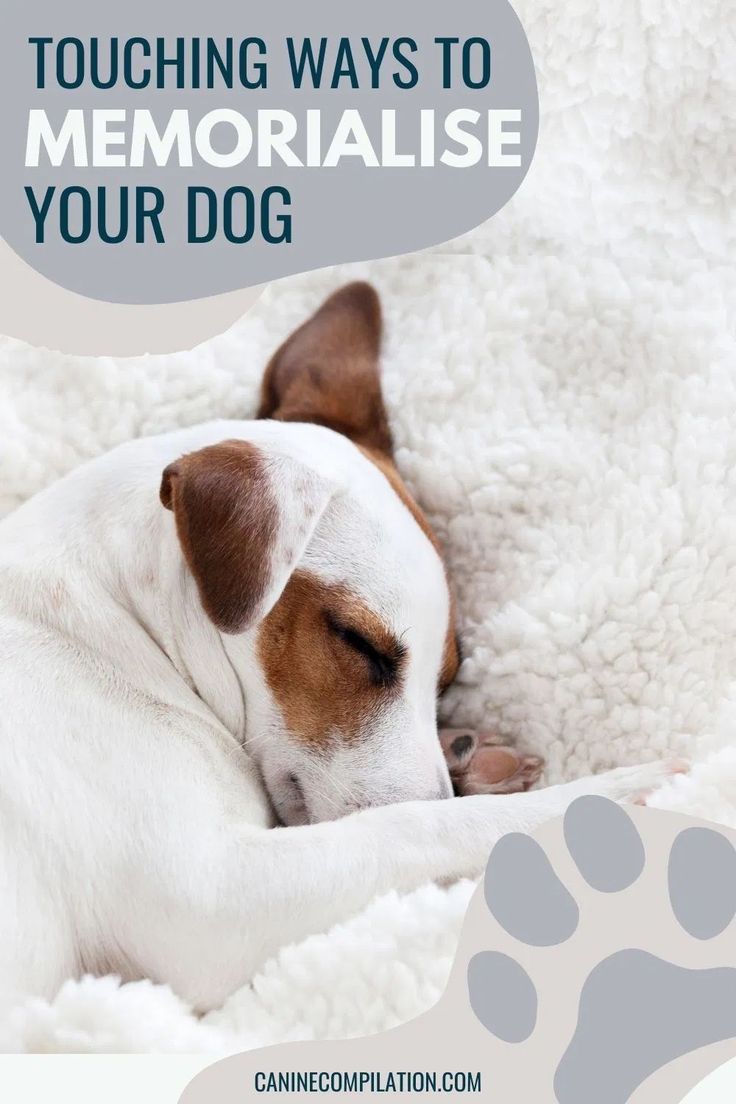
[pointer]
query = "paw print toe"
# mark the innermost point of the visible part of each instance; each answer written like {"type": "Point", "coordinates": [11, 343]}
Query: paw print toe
{"type": "Point", "coordinates": [604, 843]}
{"type": "Point", "coordinates": [502, 995]}
{"type": "Point", "coordinates": [701, 878]}
{"type": "Point", "coordinates": [525, 895]}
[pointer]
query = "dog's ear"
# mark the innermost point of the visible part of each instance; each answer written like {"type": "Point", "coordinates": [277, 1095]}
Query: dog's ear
{"type": "Point", "coordinates": [244, 519]}
{"type": "Point", "coordinates": [327, 371]}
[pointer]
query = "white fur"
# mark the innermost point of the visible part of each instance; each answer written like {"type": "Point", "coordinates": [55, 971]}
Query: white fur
{"type": "Point", "coordinates": [136, 832]}
{"type": "Point", "coordinates": [561, 384]}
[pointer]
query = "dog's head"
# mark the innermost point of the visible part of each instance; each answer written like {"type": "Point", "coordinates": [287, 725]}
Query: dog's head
{"type": "Point", "coordinates": [306, 545]}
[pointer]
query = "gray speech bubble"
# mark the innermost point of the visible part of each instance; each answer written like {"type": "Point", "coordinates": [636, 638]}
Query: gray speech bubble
{"type": "Point", "coordinates": [349, 212]}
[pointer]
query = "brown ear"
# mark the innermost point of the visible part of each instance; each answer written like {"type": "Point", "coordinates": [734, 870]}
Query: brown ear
{"type": "Point", "coordinates": [243, 519]}
{"type": "Point", "coordinates": [327, 371]}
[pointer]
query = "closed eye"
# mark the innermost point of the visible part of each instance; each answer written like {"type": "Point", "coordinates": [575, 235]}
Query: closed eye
{"type": "Point", "coordinates": [383, 666]}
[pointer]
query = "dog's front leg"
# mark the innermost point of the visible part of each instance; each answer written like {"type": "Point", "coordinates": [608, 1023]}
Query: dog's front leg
{"type": "Point", "coordinates": [252, 891]}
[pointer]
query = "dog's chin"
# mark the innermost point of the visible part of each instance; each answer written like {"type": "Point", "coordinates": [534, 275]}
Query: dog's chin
{"type": "Point", "coordinates": [290, 800]}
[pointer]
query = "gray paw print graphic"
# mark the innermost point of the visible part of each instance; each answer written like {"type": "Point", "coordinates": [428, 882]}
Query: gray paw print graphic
{"type": "Point", "coordinates": [637, 1010]}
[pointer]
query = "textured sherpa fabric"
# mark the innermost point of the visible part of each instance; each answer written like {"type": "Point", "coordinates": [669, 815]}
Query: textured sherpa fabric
{"type": "Point", "coordinates": [562, 389]}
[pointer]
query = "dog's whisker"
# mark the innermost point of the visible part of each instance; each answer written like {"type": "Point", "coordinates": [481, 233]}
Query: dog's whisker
{"type": "Point", "coordinates": [338, 783]}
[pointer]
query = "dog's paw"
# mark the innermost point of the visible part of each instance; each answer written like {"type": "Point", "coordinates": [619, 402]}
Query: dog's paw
{"type": "Point", "coordinates": [629, 784]}
{"type": "Point", "coordinates": [593, 970]}
{"type": "Point", "coordinates": [459, 745]}
{"type": "Point", "coordinates": [480, 763]}
{"type": "Point", "coordinates": [500, 770]}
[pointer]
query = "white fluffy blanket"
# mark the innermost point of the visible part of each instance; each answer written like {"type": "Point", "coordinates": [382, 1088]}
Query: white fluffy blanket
{"type": "Point", "coordinates": [562, 385]}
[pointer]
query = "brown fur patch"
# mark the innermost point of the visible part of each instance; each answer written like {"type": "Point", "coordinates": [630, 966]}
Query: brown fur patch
{"type": "Point", "coordinates": [451, 654]}
{"type": "Point", "coordinates": [320, 683]}
{"type": "Point", "coordinates": [226, 520]}
{"type": "Point", "coordinates": [326, 372]}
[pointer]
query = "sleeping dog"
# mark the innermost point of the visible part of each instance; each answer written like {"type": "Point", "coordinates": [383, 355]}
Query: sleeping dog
{"type": "Point", "coordinates": [221, 650]}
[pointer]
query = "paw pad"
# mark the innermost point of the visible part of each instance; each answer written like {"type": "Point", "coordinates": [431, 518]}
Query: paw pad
{"type": "Point", "coordinates": [654, 1011]}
